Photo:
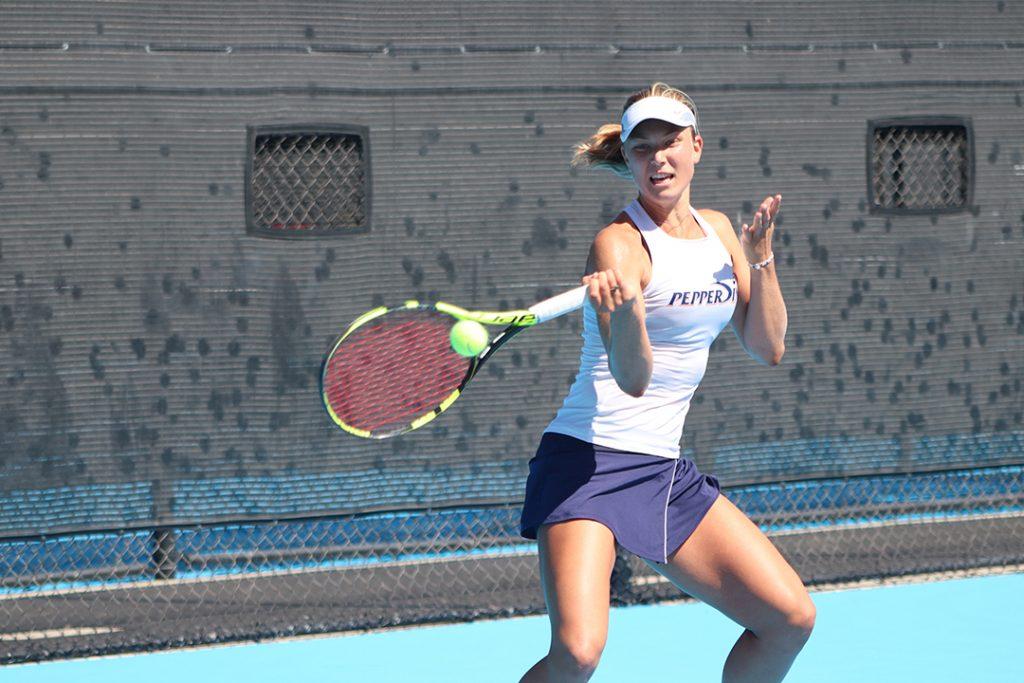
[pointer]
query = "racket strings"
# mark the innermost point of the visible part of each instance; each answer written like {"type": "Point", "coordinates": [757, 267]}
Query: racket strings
{"type": "Point", "coordinates": [392, 370]}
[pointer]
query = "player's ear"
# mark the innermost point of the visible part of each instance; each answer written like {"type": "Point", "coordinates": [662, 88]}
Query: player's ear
{"type": "Point", "coordinates": [698, 146]}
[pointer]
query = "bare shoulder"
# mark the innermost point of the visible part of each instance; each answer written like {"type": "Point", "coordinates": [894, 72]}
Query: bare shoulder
{"type": "Point", "coordinates": [722, 225]}
{"type": "Point", "coordinates": [621, 228]}
{"type": "Point", "coordinates": [619, 238]}
{"type": "Point", "coordinates": [618, 245]}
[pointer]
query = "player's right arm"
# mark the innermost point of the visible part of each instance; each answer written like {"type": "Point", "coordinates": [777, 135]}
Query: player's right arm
{"type": "Point", "coordinates": [616, 268]}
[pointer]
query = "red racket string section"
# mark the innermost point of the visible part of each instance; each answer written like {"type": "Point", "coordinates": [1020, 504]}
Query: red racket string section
{"type": "Point", "coordinates": [392, 370]}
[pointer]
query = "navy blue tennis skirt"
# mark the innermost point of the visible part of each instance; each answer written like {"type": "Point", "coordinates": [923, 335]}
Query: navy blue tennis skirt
{"type": "Point", "coordinates": [652, 504]}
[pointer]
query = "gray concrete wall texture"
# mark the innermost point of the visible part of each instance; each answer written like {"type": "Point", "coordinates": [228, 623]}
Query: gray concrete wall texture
{"type": "Point", "coordinates": [159, 363]}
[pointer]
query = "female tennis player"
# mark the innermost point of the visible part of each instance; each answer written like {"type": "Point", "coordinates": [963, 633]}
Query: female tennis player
{"type": "Point", "coordinates": [664, 280]}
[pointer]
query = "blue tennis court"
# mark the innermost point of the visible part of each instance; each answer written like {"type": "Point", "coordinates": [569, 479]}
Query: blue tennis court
{"type": "Point", "coordinates": [940, 631]}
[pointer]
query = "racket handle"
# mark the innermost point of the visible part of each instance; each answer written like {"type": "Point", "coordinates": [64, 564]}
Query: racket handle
{"type": "Point", "coordinates": [560, 304]}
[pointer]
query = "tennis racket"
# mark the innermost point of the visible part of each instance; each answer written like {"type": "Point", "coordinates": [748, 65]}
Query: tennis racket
{"type": "Point", "coordinates": [394, 370]}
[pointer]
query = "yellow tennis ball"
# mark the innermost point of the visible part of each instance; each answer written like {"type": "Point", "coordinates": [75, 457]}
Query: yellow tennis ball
{"type": "Point", "coordinates": [468, 337]}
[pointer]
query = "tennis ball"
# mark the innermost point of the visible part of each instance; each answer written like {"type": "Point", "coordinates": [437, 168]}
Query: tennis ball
{"type": "Point", "coordinates": [468, 337]}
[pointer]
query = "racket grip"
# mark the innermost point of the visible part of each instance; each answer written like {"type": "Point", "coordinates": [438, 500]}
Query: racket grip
{"type": "Point", "coordinates": [560, 304]}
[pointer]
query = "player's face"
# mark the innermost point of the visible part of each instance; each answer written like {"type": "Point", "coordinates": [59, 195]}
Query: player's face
{"type": "Point", "coordinates": [662, 157]}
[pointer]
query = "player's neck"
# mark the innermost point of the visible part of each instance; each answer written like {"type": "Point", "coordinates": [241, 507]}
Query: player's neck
{"type": "Point", "coordinates": [673, 219]}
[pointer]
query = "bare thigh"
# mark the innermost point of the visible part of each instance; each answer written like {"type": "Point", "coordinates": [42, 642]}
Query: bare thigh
{"type": "Point", "coordinates": [576, 559]}
{"type": "Point", "coordinates": [729, 564]}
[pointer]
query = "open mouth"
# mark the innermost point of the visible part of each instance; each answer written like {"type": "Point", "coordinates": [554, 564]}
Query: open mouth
{"type": "Point", "coordinates": [659, 179]}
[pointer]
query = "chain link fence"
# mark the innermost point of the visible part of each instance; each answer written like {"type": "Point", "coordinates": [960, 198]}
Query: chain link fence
{"type": "Point", "coordinates": [917, 166]}
{"type": "Point", "coordinates": [304, 183]}
{"type": "Point", "coordinates": [129, 590]}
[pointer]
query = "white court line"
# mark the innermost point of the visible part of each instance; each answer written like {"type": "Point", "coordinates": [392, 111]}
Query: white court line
{"type": "Point", "coordinates": [59, 633]}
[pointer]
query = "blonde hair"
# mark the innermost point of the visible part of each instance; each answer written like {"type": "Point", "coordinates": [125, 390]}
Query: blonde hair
{"type": "Point", "coordinates": [603, 149]}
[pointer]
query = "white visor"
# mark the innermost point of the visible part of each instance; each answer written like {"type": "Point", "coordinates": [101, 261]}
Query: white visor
{"type": "Point", "coordinates": [660, 108]}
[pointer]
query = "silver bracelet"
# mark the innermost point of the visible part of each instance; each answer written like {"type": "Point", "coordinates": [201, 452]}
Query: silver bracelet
{"type": "Point", "coordinates": [762, 264]}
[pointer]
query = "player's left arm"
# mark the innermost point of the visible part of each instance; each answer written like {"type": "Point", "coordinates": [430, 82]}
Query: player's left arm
{"type": "Point", "coordinates": [760, 318]}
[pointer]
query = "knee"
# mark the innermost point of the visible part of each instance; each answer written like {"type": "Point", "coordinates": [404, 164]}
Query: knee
{"type": "Point", "coordinates": [800, 619]}
{"type": "Point", "coordinates": [791, 625]}
{"type": "Point", "coordinates": [578, 653]}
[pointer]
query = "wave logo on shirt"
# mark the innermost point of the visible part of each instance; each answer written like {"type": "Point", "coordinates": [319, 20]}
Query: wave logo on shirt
{"type": "Point", "coordinates": [722, 292]}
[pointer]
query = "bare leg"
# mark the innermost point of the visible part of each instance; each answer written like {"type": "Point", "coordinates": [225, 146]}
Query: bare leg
{"type": "Point", "coordinates": [576, 559]}
{"type": "Point", "coordinates": [729, 564]}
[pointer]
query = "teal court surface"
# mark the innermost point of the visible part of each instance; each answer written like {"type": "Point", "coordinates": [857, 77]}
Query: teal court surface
{"type": "Point", "coordinates": [962, 630]}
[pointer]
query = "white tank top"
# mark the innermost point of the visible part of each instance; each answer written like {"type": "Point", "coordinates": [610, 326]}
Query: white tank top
{"type": "Point", "coordinates": [689, 301]}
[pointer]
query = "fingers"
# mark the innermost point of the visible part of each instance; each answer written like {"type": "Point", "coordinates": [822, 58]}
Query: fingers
{"type": "Point", "coordinates": [756, 238]}
{"type": "Point", "coordinates": [605, 290]}
{"type": "Point", "coordinates": [764, 217]}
